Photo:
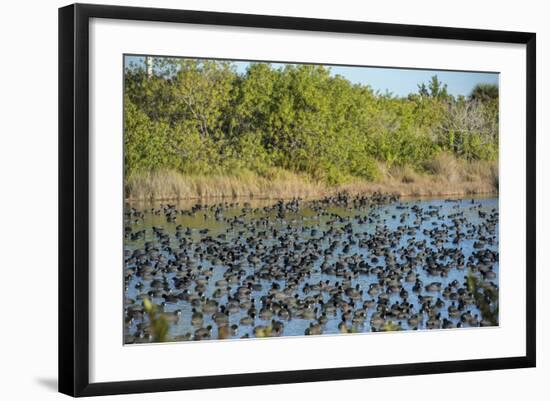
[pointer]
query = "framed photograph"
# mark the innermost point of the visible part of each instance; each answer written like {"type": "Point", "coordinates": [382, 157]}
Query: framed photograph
{"type": "Point", "coordinates": [251, 199]}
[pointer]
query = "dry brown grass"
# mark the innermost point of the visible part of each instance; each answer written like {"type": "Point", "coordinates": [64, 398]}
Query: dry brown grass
{"type": "Point", "coordinates": [444, 176]}
{"type": "Point", "coordinates": [164, 185]}
{"type": "Point", "coordinates": [446, 167]}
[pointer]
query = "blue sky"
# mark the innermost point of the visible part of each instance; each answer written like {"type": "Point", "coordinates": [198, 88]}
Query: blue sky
{"type": "Point", "coordinates": [399, 81]}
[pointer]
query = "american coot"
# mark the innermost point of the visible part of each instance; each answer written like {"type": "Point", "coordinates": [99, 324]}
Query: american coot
{"type": "Point", "coordinates": [339, 264]}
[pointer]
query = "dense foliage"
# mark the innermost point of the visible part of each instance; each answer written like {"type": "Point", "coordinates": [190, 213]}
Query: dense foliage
{"type": "Point", "coordinates": [202, 117]}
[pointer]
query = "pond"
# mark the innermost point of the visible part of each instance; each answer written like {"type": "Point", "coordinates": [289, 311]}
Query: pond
{"type": "Point", "coordinates": [342, 264]}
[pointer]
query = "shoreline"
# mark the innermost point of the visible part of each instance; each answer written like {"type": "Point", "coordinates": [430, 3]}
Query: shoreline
{"type": "Point", "coordinates": [170, 186]}
{"type": "Point", "coordinates": [262, 199]}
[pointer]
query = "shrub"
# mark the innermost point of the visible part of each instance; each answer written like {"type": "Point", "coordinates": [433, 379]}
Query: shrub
{"type": "Point", "coordinates": [202, 118]}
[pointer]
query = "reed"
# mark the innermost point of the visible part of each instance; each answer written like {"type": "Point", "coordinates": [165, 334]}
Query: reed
{"type": "Point", "coordinates": [444, 176]}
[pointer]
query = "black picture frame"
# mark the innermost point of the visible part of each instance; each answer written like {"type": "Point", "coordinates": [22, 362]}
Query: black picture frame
{"type": "Point", "coordinates": [74, 198]}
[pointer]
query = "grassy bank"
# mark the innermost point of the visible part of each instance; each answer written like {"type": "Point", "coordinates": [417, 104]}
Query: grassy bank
{"type": "Point", "coordinates": [443, 176]}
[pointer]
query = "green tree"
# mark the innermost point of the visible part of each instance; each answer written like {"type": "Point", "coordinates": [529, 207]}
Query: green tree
{"type": "Point", "coordinates": [202, 117]}
{"type": "Point", "coordinates": [484, 92]}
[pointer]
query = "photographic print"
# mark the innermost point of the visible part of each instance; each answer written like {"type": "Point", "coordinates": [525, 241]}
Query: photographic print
{"type": "Point", "coordinates": [274, 199]}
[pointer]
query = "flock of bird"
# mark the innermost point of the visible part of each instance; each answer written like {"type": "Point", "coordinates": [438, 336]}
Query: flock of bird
{"type": "Point", "coordinates": [341, 264]}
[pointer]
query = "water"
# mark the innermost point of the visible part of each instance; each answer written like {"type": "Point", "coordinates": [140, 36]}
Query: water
{"type": "Point", "coordinates": [416, 237]}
